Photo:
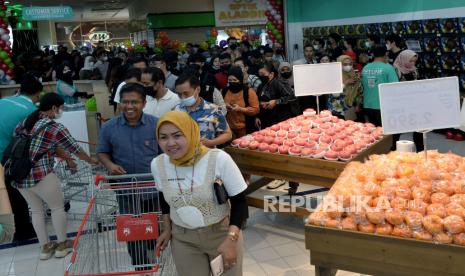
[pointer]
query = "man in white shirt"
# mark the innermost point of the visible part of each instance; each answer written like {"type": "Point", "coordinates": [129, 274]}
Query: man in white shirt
{"type": "Point", "coordinates": [159, 61]}
{"type": "Point", "coordinates": [159, 98]}
{"type": "Point", "coordinates": [309, 57]}
{"type": "Point", "coordinates": [133, 75]}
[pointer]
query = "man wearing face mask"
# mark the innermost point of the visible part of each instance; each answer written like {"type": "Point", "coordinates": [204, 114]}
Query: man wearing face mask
{"type": "Point", "coordinates": [160, 99]}
{"type": "Point", "coordinates": [102, 63]}
{"type": "Point", "coordinates": [318, 47]}
{"type": "Point", "coordinates": [222, 76]}
{"type": "Point", "coordinates": [214, 129]}
{"type": "Point", "coordinates": [393, 42]}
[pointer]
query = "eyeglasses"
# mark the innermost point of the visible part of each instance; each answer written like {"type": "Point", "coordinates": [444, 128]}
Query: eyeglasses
{"type": "Point", "coordinates": [131, 102]}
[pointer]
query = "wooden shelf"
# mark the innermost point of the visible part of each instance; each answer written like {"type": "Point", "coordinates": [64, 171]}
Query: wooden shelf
{"type": "Point", "coordinates": [333, 249]}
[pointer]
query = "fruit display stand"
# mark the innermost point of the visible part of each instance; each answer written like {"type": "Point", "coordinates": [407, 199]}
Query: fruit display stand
{"type": "Point", "coordinates": [333, 249]}
{"type": "Point", "coordinates": [318, 172]}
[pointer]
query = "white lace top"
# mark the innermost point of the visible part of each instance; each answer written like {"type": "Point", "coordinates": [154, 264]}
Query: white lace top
{"type": "Point", "coordinates": [215, 164]}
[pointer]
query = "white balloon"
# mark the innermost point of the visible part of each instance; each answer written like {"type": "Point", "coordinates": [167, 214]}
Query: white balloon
{"type": "Point", "coordinates": [273, 12]}
{"type": "Point", "coordinates": [2, 74]}
{"type": "Point", "coordinates": [278, 17]}
{"type": "Point", "coordinates": [12, 82]}
{"type": "Point", "coordinates": [7, 78]}
{"type": "Point", "coordinates": [8, 43]}
{"type": "Point", "coordinates": [2, 31]}
{"type": "Point", "coordinates": [6, 37]}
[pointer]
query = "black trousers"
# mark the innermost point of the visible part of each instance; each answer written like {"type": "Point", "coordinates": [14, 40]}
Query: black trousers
{"type": "Point", "coordinates": [23, 225]}
{"type": "Point", "coordinates": [373, 116]}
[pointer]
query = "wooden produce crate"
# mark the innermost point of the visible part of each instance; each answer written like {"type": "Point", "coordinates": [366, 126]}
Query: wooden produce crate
{"type": "Point", "coordinates": [318, 172]}
{"type": "Point", "coordinates": [299, 169]}
{"type": "Point", "coordinates": [332, 249]}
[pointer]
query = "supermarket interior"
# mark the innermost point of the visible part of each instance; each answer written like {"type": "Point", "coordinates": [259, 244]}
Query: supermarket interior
{"type": "Point", "coordinates": [232, 137]}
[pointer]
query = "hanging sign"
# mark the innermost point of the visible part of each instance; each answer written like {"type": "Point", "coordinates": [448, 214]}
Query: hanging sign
{"type": "Point", "coordinates": [47, 13]}
{"type": "Point", "coordinates": [239, 13]}
{"type": "Point", "coordinates": [420, 105]}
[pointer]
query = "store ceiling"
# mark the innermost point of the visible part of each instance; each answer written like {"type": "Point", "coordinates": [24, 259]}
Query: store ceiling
{"type": "Point", "coordinates": [88, 10]}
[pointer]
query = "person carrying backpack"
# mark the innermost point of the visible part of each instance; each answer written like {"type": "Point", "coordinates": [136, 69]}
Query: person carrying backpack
{"type": "Point", "coordinates": [242, 104]}
{"type": "Point", "coordinates": [29, 160]}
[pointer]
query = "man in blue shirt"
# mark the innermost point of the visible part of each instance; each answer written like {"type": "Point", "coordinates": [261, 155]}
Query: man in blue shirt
{"type": "Point", "coordinates": [127, 144]}
{"type": "Point", "coordinates": [214, 129]}
{"type": "Point", "coordinates": [12, 111]}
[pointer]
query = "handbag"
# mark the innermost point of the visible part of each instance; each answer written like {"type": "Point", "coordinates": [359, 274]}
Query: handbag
{"type": "Point", "coordinates": [220, 192]}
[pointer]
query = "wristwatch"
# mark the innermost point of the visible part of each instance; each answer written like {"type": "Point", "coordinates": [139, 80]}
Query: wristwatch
{"type": "Point", "coordinates": [233, 236]}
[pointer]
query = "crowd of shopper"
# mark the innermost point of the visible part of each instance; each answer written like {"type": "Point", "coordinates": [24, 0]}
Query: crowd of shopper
{"type": "Point", "coordinates": [185, 105]}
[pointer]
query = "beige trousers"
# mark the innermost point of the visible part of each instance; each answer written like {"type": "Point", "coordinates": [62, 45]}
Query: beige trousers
{"type": "Point", "coordinates": [49, 191]}
{"type": "Point", "coordinates": [194, 249]}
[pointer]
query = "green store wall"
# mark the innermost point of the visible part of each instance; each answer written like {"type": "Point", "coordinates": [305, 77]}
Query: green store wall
{"type": "Point", "coordinates": [310, 13]}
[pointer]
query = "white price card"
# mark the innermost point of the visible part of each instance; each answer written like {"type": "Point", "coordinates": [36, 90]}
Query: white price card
{"type": "Point", "coordinates": [420, 105]}
{"type": "Point", "coordinates": [317, 79]}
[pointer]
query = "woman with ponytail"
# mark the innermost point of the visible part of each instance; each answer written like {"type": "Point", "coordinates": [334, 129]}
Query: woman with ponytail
{"type": "Point", "coordinates": [42, 185]}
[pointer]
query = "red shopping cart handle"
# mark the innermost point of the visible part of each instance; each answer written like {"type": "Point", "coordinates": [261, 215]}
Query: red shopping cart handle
{"type": "Point", "coordinates": [99, 178]}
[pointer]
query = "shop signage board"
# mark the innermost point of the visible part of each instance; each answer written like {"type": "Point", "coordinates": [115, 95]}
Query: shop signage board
{"type": "Point", "coordinates": [97, 36]}
{"type": "Point", "coordinates": [47, 13]}
{"type": "Point", "coordinates": [317, 79]}
{"type": "Point", "coordinates": [420, 105]}
{"type": "Point", "coordinates": [239, 13]}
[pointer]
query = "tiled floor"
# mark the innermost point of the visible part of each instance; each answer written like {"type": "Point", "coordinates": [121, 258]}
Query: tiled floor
{"type": "Point", "coordinates": [274, 243]}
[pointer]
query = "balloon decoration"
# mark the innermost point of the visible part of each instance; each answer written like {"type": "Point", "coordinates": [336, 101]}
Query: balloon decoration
{"type": "Point", "coordinates": [6, 64]}
{"type": "Point", "coordinates": [275, 24]}
{"type": "Point", "coordinates": [211, 39]}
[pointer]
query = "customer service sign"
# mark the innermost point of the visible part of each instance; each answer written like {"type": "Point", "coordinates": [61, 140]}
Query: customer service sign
{"type": "Point", "coordinates": [239, 12]}
{"type": "Point", "coordinates": [47, 13]}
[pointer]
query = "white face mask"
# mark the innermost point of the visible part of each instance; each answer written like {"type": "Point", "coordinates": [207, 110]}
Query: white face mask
{"type": "Point", "coordinates": [367, 44]}
{"type": "Point", "coordinates": [347, 68]}
{"type": "Point", "coordinates": [59, 114]}
{"type": "Point", "coordinates": [316, 47]}
{"type": "Point", "coordinates": [388, 46]}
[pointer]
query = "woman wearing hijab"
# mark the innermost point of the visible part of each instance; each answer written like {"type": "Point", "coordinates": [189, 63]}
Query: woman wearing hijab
{"type": "Point", "coordinates": [193, 181]}
{"type": "Point", "coordinates": [277, 100]}
{"type": "Point", "coordinates": [405, 65]}
{"type": "Point", "coordinates": [241, 102]}
{"type": "Point", "coordinates": [345, 104]}
{"type": "Point", "coordinates": [407, 71]}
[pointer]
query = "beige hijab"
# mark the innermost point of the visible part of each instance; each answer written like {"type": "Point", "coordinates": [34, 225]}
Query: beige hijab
{"type": "Point", "coordinates": [351, 91]}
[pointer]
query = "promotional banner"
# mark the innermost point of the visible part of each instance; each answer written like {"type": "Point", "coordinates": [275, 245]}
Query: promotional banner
{"type": "Point", "coordinates": [239, 12]}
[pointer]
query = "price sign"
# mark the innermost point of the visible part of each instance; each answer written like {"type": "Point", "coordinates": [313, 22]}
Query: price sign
{"type": "Point", "coordinates": [420, 105]}
{"type": "Point", "coordinates": [317, 79]}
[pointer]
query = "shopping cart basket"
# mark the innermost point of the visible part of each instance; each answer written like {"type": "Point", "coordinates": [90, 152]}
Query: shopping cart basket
{"type": "Point", "coordinates": [120, 238]}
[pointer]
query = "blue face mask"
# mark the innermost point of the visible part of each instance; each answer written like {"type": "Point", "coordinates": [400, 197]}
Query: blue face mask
{"type": "Point", "coordinates": [190, 101]}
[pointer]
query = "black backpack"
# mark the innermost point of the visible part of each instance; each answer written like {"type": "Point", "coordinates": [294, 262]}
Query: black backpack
{"type": "Point", "coordinates": [16, 158]}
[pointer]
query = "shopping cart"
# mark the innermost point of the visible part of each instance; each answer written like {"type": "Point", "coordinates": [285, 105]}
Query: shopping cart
{"type": "Point", "coordinates": [76, 183]}
{"type": "Point", "coordinates": [120, 238]}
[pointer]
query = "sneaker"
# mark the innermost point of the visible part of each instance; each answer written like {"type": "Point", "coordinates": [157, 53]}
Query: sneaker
{"type": "Point", "coordinates": [276, 184]}
{"type": "Point", "coordinates": [64, 248]}
{"type": "Point", "coordinates": [48, 250]}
